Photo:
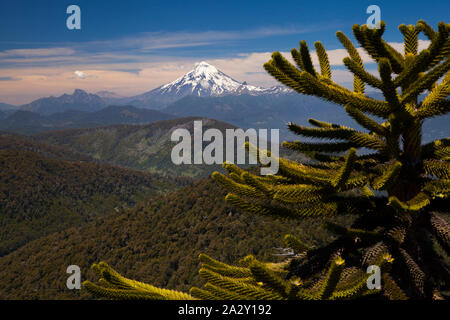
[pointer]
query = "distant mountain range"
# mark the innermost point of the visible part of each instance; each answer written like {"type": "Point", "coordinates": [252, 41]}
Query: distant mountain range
{"type": "Point", "coordinates": [204, 81]}
{"type": "Point", "coordinates": [28, 122]}
{"type": "Point", "coordinates": [108, 95]}
{"type": "Point", "coordinates": [202, 92]}
{"type": "Point", "coordinates": [80, 100]}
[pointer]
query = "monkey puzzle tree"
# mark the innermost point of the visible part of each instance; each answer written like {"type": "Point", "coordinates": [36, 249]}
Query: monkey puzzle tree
{"type": "Point", "coordinates": [398, 191]}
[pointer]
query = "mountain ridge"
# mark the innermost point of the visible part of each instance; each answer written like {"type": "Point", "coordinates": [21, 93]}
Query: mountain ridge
{"type": "Point", "coordinates": [29, 122]}
{"type": "Point", "coordinates": [79, 100]}
{"type": "Point", "coordinates": [140, 147]}
{"type": "Point", "coordinates": [7, 107]}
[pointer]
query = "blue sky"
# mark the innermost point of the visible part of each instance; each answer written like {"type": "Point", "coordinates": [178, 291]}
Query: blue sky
{"type": "Point", "coordinates": [133, 46]}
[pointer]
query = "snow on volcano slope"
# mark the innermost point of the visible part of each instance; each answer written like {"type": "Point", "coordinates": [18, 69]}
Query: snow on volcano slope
{"type": "Point", "coordinates": [204, 81]}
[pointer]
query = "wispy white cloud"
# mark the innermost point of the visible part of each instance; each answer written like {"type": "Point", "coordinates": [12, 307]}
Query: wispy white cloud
{"type": "Point", "coordinates": [80, 74]}
{"type": "Point", "coordinates": [167, 40]}
{"type": "Point", "coordinates": [140, 44]}
{"type": "Point", "coordinates": [83, 75]}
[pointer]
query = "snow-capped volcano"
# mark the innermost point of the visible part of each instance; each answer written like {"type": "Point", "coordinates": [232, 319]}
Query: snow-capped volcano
{"type": "Point", "coordinates": [204, 81]}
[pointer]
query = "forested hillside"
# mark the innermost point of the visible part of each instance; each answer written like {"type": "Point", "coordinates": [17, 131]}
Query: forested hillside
{"type": "Point", "coordinates": [19, 142]}
{"type": "Point", "coordinates": [40, 195]}
{"type": "Point", "coordinates": [157, 242]}
{"type": "Point", "coordinates": [140, 147]}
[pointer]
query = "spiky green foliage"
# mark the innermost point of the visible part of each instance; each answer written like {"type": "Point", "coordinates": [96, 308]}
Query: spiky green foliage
{"type": "Point", "coordinates": [251, 281]}
{"type": "Point", "coordinates": [113, 285]}
{"type": "Point", "coordinates": [398, 191]}
{"type": "Point", "coordinates": [413, 178]}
